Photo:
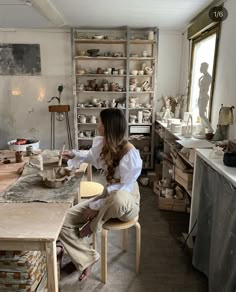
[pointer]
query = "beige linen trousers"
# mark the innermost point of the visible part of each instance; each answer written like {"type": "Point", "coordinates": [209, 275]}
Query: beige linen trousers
{"type": "Point", "coordinates": [118, 204]}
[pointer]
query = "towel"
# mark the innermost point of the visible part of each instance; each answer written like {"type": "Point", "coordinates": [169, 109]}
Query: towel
{"type": "Point", "coordinates": [226, 116]}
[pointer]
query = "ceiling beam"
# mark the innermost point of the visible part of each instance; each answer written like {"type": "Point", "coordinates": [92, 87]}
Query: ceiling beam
{"type": "Point", "coordinates": [48, 10]}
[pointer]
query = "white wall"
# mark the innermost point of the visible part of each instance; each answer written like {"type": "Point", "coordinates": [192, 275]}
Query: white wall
{"type": "Point", "coordinates": [225, 85]}
{"type": "Point", "coordinates": [27, 115]}
{"type": "Point", "coordinates": [169, 60]}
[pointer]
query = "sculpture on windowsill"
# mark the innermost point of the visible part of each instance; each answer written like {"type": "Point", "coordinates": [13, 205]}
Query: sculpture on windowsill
{"type": "Point", "coordinates": [204, 83]}
{"type": "Point", "coordinates": [171, 107]}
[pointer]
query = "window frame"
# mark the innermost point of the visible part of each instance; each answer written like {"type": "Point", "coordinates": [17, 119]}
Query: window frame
{"type": "Point", "coordinates": [195, 40]}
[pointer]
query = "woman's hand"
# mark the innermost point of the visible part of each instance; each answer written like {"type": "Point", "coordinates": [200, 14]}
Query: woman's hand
{"type": "Point", "coordinates": [85, 231]}
{"type": "Point", "coordinates": [66, 154]}
{"type": "Point", "coordinates": [89, 214]}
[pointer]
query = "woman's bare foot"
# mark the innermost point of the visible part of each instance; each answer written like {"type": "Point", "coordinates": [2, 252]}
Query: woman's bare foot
{"type": "Point", "coordinates": [86, 272]}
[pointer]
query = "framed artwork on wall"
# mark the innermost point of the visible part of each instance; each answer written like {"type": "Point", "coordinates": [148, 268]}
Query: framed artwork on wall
{"type": "Point", "coordinates": [20, 59]}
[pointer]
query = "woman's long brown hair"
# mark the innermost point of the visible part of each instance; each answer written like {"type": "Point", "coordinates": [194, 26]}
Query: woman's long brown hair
{"type": "Point", "coordinates": [114, 123]}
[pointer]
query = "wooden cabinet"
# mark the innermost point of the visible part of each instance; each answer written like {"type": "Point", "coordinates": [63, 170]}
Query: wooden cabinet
{"type": "Point", "coordinates": [115, 68]}
{"type": "Point", "coordinates": [177, 171]}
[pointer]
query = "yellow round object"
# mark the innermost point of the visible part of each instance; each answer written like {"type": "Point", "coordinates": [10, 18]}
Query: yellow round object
{"type": "Point", "coordinates": [90, 189]}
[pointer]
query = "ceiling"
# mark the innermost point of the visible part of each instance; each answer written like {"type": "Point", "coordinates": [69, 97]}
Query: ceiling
{"type": "Point", "coordinates": [166, 14]}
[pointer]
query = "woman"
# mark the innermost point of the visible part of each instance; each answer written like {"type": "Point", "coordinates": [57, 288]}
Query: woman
{"type": "Point", "coordinates": [122, 164]}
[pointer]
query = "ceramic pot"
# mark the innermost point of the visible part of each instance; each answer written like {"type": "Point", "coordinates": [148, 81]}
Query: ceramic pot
{"type": "Point", "coordinates": [82, 119]}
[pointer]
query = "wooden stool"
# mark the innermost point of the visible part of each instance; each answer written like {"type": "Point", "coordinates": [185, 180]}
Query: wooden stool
{"type": "Point", "coordinates": [115, 224]}
{"type": "Point", "coordinates": [89, 189]}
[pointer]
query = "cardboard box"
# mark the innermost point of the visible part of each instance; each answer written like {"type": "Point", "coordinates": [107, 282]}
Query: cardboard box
{"type": "Point", "coordinates": [185, 179]}
{"type": "Point", "coordinates": [171, 204]}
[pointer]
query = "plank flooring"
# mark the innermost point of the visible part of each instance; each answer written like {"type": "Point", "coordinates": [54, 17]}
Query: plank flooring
{"type": "Point", "coordinates": [165, 265]}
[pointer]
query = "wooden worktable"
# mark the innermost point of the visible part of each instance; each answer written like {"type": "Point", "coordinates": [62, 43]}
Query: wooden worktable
{"type": "Point", "coordinates": [32, 225]}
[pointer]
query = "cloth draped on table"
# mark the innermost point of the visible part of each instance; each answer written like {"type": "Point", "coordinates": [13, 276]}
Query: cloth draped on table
{"type": "Point", "coordinates": [214, 249]}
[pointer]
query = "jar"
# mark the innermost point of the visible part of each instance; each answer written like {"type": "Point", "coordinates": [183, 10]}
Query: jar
{"type": "Point", "coordinates": [144, 53]}
{"type": "Point", "coordinates": [29, 150]}
{"type": "Point", "coordinates": [19, 156]}
{"type": "Point", "coordinates": [150, 35]}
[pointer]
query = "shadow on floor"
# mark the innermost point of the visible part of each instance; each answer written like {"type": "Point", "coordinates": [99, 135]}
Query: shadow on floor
{"type": "Point", "coordinates": [165, 265]}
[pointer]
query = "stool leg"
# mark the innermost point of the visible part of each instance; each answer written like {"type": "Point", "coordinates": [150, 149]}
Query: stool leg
{"type": "Point", "coordinates": [125, 239]}
{"type": "Point", "coordinates": [104, 255]}
{"type": "Point", "coordinates": [89, 172]}
{"type": "Point", "coordinates": [138, 246]}
{"type": "Point", "coordinates": [94, 241]}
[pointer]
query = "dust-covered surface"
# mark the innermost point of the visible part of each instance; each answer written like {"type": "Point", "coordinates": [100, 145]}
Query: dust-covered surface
{"type": "Point", "coordinates": [30, 187]}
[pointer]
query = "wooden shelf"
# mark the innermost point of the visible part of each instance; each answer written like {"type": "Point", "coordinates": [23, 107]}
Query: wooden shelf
{"type": "Point", "coordinates": [141, 92]}
{"type": "Point", "coordinates": [185, 159]}
{"type": "Point", "coordinates": [100, 75]}
{"type": "Point", "coordinates": [97, 41]}
{"type": "Point", "coordinates": [142, 42]}
{"type": "Point", "coordinates": [86, 58]}
{"type": "Point", "coordinates": [141, 58]}
{"type": "Point", "coordinates": [106, 92]}
{"type": "Point", "coordinates": [130, 42]}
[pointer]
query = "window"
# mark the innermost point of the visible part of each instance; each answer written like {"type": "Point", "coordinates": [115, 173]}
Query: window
{"type": "Point", "coordinates": [204, 50]}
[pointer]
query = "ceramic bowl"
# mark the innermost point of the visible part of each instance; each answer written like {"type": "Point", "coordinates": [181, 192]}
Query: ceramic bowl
{"type": "Point", "coordinates": [134, 72]}
{"type": "Point", "coordinates": [144, 181]}
{"type": "Point", "coordinates": [29, 142]}
{"type": "Point", "coordinates": [99, 37]}
{"type": "Point", "coordinates": [81, 52]}
{"type": "Point", "coordinates": [56, 177]}
{"type": "Point", "coordinates": [93, 52]}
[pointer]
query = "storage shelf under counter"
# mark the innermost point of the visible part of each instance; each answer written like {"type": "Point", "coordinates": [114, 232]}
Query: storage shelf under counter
{"type": "Point", "coordinates": [217, 164]}
{"type": "Point", "coordinates": [213, 220]}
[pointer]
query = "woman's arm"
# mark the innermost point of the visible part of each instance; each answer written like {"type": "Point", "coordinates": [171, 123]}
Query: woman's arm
{"type": "Point", "coordinates": [92, 156]}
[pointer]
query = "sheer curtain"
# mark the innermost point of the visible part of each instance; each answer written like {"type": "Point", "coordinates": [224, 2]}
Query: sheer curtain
{"type": "Point", "coordinates": [203, 51]}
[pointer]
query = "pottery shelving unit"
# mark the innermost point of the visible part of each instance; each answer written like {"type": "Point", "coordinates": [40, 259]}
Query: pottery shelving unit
{"type": "Point", "coordinates": [127, 63]}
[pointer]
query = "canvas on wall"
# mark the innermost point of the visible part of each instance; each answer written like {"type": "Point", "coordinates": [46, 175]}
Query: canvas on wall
{"type": "Point", "coordinates": [20, 59]}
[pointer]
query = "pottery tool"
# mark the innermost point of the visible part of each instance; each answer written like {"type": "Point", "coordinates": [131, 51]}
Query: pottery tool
{"type": "Point", "coordinates": [60, 159]}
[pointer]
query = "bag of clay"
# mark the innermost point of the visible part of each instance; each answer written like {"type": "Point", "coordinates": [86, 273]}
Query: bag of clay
{"type": "Point", "coordinates": [229, 158]}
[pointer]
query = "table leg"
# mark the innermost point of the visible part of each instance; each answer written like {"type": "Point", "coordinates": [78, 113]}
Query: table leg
{"type": "Point", "coordinates": [68, 131]}
{"type": "Point", "coordinates": [51, 253]}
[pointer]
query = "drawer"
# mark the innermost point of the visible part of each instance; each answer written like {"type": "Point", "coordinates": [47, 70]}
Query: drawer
{"type": "Point", "coordinates": [140, 129]}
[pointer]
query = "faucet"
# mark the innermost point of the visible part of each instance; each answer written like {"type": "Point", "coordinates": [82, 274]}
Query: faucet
{"type": "Point", "coordinates": [189, 128]}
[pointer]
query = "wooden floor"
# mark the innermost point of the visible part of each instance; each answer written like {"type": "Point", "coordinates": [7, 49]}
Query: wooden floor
{"type": "Point", "coordinates": [165, 265]}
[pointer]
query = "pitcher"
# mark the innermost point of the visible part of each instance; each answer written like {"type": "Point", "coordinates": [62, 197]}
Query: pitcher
{"type": "Point", "coordinates": [93, 119]}
{"type": "Point", "coordinates": [82, 119]}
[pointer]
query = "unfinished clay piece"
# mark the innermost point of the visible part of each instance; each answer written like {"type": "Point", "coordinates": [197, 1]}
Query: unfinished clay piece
{"type": "Point", "coordinates": [56, 177]}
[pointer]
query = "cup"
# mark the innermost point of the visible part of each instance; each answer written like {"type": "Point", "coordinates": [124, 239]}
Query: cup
{"type": "Point", "coordinates": [134, 72]}
{"type": "Point", "coordinates": [138, 89]}
{"type": "Point", "coordinates": [121, 71]}
{"type": "Point", "coordinates": [150, 35]}
{"type": "Point", "coordinates": [144, 181]}
{"type": "Point", "coordinates": [169, 193]}
{"type": "Point", "coordinates": [88, 134]}
{"type": "Point", "coordinates": [144, 53]}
